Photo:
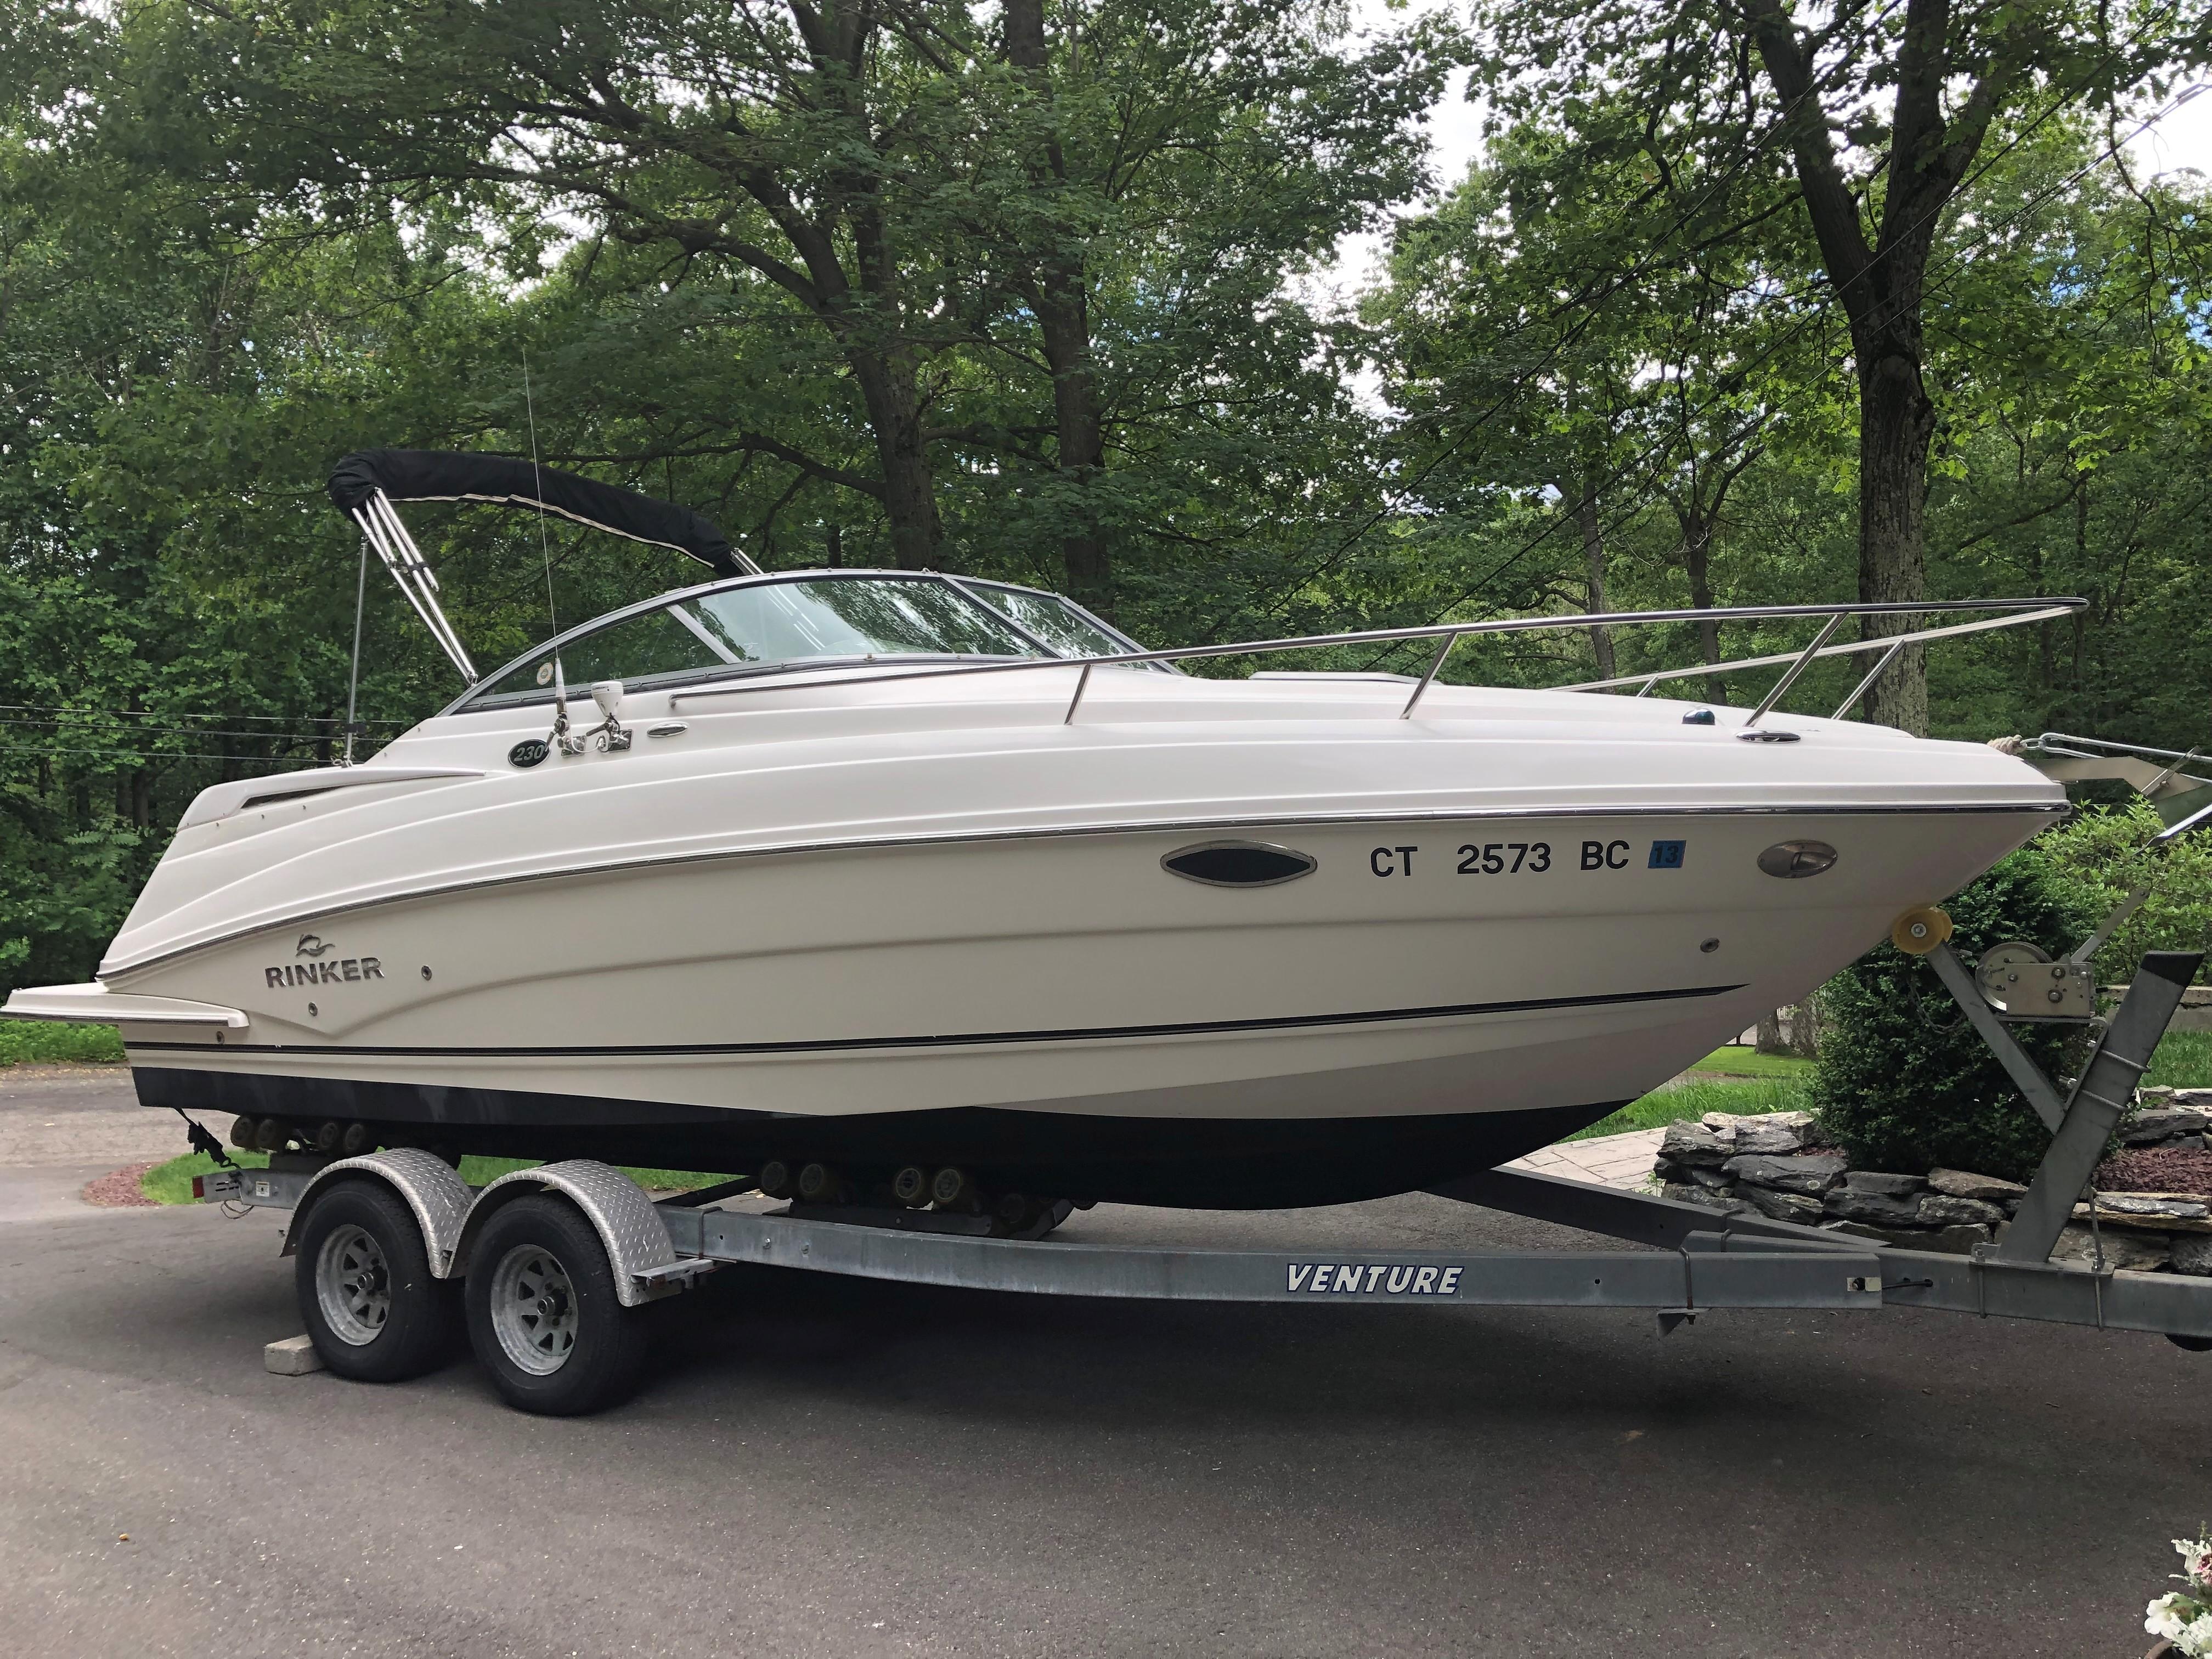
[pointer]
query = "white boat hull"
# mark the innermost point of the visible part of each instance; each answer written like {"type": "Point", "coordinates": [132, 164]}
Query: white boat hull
{"type": "Point", "coordinates": [1057, 1010]}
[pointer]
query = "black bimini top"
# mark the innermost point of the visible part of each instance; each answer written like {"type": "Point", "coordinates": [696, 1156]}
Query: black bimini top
{"type": "Point", "coordinates": [440, 475]}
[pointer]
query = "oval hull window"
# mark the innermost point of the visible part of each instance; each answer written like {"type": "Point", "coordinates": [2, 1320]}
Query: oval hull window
{"type": "Point", "coordinates": [1792, 859]}
{"type": "Point", "coordinates": [1237, 864]}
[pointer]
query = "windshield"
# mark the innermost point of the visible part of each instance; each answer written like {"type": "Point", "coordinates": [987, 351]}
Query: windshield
{"type": "Point", "coordinates": [1070, 632]}
{"type": "Point", "coordinates": [770, 624]}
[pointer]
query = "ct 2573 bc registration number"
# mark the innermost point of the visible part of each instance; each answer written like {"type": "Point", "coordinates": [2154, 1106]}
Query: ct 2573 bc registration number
{"type": "Point", "coordinates": [1513, 858]}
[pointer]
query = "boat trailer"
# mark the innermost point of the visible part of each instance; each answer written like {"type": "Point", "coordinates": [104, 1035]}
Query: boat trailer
{"type": "Point", "coordinates": [556, 1261]}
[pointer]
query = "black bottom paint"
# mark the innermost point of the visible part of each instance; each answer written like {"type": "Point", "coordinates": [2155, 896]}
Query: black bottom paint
{"type": "Point", "coordinates": [1222, 1163]}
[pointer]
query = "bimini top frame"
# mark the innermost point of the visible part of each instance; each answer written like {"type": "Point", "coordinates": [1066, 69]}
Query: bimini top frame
{"type": "Point", "coordinates": [364, 485]}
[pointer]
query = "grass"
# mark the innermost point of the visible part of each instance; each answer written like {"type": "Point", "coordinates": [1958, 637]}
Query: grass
{"type": "Point", "coordinates": [171, 1182]}
{"type": "Point", "coordinates": [1685, 1102]}
{"type": "Point", "coordinates": [1776, 1082]}
{"type": "Point", "coordinates": [1736, 1060]}
{"type": "Point", "coordinates": [2184, 1061]}
{"type": "Point", "coordinates": [51, 1042]}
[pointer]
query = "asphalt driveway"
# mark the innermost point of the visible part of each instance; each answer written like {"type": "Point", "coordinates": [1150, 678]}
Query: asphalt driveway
{"type": "Point", "coordinates": [851, 1469]}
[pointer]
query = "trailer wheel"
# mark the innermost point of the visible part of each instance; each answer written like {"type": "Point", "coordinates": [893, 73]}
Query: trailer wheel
{"type": "Point", "coordinates": [543, 1314]}
{"type": "Point", "coordinates": [373, 1310]}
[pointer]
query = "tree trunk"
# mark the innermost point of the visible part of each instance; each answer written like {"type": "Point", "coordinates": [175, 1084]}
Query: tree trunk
{"type": "Point", "coordinates": [893, 406]}
{"type": "Point", "coordinates": [863, 307]}
{"type": "Point", "coordinates": [833, 553]}
{"type": "Point", "coordinates": [1065, 319]}
{"type": "Point", "coordinates": [1063, 313]}
{"type": "Point", "coordinates": [1769, 1041]}
{"type": "Point", "coordinates": [1586, 519]}
{"type": "Point", "coordinates": [1806, 1022]}
{"type": "Point", "coordinates": [1897, 423]}
{"type": "Point", "coordinates": [1942, 114]}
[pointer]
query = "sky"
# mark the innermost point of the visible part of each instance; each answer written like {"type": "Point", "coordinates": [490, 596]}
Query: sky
{"type": "Point", "coordinates": [2181, 138]}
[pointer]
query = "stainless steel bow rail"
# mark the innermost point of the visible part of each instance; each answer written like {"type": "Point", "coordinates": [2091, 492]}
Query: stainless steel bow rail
{"type": "Point", "coordinates": [2008, 613]}
{"type": "Point", "coordinates": [2182, 798]}
{"type": "Point", "coordinates": [1690, 1259]}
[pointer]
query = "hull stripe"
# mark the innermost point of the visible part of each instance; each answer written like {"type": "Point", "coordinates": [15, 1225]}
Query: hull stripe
{"type": "Point", "coordinates": [833, 1045]}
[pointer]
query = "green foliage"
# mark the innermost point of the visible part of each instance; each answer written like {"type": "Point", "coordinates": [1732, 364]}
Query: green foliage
{"type": "Point", "coordinates": [2106, 855]}
{"type": "Point", "coordinates": [51, 1042]}
{"type": "Point", "coordinates": [1905, 1084]}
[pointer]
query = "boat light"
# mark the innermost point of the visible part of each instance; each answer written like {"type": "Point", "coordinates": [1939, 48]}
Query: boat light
{"type": "Point", "coordinates": [1793, 859]}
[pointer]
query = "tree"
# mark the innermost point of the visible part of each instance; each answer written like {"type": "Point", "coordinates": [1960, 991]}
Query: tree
{"type": "Point", "coordinates": [1670, 388]}
{"type": "Point", "coordinates": [1150, 194]}
{"type": "Point", "coordinates": [916, 188]}
{"type": "Point", "coordinates": [1868, 122]}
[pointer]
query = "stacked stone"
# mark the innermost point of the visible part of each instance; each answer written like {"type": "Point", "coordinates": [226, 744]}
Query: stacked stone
{"type": "Point", "coordinates": [1773, 1164]}
{"type": "Point", "coordinates": [2171, 1117]}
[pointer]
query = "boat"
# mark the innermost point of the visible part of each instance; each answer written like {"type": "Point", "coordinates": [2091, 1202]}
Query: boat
{"type": "Point", "coordinates": [886, 876]}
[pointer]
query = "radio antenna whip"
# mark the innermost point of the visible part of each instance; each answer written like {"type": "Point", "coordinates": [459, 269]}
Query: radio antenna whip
{"type": "Point", "coordinates": [352, 679]}
{"type": "Point", "coordinates": [561, 740]}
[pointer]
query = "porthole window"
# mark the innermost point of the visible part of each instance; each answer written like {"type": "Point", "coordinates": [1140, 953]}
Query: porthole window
{"type": "Point", "coordinates": [1238, 864]}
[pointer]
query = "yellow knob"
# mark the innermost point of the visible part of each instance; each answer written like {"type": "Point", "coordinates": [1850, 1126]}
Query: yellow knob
{"type": "Point", "coordinates": [1920, 930]}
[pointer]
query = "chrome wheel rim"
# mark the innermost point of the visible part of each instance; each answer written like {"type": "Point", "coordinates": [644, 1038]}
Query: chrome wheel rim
{"type": "Point", "coordinates": [352, 1286]}
{"type": "Point", "coordinates": [533, 1310]}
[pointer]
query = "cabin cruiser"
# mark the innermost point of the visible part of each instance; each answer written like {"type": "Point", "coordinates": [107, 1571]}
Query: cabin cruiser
{"type": "Point", "coordinates": [894, 872]}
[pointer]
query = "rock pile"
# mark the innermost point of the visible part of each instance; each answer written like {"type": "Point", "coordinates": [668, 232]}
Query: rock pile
{"type": "Point", "coordinates": [2170, 1117]}
{"type": "Point", "coordinates": [1776, 1165]}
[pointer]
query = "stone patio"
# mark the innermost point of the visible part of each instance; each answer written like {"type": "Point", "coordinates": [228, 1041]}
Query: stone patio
{"type": "Point", "coordinates": [1623, 1161]}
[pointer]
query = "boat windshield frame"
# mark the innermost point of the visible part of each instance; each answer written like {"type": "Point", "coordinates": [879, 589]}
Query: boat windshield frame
{"type": "Point", "coordinates": [477, 698]}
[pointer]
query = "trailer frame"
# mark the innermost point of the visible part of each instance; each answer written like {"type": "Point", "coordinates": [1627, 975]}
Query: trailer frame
{"type": "Point", "coordinates": [1694, 1259]}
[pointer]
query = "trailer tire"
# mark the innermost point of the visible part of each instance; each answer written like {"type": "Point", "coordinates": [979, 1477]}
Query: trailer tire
{"type": "Point", "coordinates": [373, 1310]}
{"type": "Point", "coordinates": [542, 1313]}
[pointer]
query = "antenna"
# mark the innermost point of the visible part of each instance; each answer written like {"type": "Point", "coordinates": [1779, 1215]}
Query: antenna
{"type": "Point", "coordinates": [353, 678]}
{"type": "Point", "coordinates": [561, 740]}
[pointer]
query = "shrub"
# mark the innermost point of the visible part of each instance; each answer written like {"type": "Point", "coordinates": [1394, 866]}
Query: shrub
{"type": "Point", "coordinates": [1903, 1083]}
{"type": "Point", "coordinates": [2105, 854]}
{"type": "Point", "coordinates": [27, 1043]}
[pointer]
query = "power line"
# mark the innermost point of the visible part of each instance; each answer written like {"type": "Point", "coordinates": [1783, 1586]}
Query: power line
{"type": "Point", "coordinates": [159, 754]}
{"type": "Point", "coordinates": [61, 725]}
{"type": "Point", "coordinates": [151, 714]}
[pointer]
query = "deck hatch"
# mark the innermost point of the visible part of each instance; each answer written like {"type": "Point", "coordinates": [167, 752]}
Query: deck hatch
{"type": "Point", "coordinates": [1238, 864]}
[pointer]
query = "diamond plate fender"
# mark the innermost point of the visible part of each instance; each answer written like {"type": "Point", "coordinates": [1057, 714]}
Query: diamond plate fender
{"type": "Point", "coordinates": [631, 1229]}
{"type": "Point", "coordinates": [439, 1198]}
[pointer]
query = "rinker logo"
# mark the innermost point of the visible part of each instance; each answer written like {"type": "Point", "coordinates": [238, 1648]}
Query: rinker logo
{"type": "Point", "coordinates": [343, 970]}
